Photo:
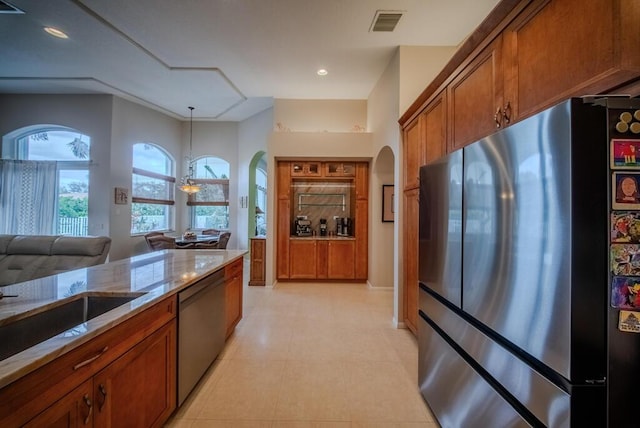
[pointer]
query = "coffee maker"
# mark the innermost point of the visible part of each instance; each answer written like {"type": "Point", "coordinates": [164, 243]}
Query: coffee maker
{"type": "Point", "coordinates": [323, 227]}
{"type": "Point", "coordinates": [343, 226]}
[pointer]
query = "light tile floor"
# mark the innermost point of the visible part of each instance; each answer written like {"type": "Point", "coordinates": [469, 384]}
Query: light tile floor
{"type": "Point", "coordinates": [311, 355]}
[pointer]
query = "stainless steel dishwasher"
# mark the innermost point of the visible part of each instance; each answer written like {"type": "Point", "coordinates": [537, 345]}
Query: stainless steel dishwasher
{"type": "Point", "coordinates": [201, 330]}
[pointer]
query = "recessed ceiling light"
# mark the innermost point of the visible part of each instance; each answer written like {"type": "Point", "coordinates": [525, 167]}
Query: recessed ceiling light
{"type": "Point", "coordinates": [56, 33]}
{"type": "Point", "coordinates": [322, 72]}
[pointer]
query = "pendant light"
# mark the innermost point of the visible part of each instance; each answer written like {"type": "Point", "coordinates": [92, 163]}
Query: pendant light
{"type": "Point", "coordinates": [187, 184]}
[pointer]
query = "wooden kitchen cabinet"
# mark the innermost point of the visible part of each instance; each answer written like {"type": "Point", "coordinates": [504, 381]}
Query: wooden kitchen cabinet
{"type": "Point", "coordinates": [283, 178]}
{"type": "Point", "coordinates": [554, 53]}
{"type": "Point", "coordinates": [312, 258]}
{"type": "Point", "coordinates": [475, 98]}
{"type": "Point", "coordinates": [361, 256]}
{"type": "Point", "coordinates": [258, 261]}
{"type": "Point", "coordinates": [74, 410]}
{"type": "Point", "coordinates": [362, 181]}
{"type": "Point", "coordinates": [435, 128]}
{"type": "Point", "coordinates": [306, 169]}
{"type": "Point", "coordinates": [54, 395]}
{"type": "Point", "coordinates": [413, 139]}
{"type": "Point", "coordinates": [233, 295]}
{"type": "Point", "coordinates": [283, 227]}
{"type": "Point", "coordinates": [340, 259]}
{"type": "Point", "coordinates": [410, 272]}
{"type": "Point", "coordinates": [303, 259]}
{"type": "Point", "coordinates": [322, 259]}
{"type": "Point", "coordinates": [138, 389]}
{"type": "Point", "coordinates": [339, 169]}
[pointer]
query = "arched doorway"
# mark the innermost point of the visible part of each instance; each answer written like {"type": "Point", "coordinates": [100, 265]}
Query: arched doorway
{"type": "Point", "coordinates": [257, 219]}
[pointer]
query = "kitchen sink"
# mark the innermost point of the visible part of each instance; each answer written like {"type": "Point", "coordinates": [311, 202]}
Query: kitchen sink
{"type": "Point", "coordinates": [26, 332]}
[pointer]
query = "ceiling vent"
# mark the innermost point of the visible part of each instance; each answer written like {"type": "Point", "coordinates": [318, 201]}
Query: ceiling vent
{"type": "Point", "coordinates": [8, 8]}
{"type": "Point", "coordinates": [385, 20]}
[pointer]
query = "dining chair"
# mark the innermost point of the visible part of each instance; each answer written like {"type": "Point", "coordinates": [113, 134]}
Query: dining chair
{"type": "Point", "coordinates": [223, 239]}
{"type": "Point", "coordinates": [160, 242]}
{"type": "Point", "coordinates": [211, 232]}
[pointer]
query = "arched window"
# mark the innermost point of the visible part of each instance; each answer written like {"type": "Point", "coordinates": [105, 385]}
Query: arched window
{"type": "Point", "coordinates": [53, 183]}
{"type": "Point", "coordinates": [152, 194]}
{"type": "Point", "coordinates": [210, 206]}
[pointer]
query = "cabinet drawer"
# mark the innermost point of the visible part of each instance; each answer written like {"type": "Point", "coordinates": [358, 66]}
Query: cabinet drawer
{"type": "Point", "coordinates": [232, 270]}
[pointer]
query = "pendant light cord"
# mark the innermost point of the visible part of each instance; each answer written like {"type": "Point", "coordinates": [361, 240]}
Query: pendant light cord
{"type": "Point", "coordinates": [191, 145]}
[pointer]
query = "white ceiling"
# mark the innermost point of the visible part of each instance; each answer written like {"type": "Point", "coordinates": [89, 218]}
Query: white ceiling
{"type": "Point", "coordinates": [227, 58]}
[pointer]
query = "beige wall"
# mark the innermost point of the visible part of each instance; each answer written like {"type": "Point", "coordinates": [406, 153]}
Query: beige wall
{"type": "Point", "coordinates": [320, 115]}
{"type": "Point", "coordinates": [419, 65]}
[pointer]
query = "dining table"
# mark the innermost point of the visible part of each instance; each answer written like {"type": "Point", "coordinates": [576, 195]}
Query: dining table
{"type": "Point", "coordinates": [182, 242]}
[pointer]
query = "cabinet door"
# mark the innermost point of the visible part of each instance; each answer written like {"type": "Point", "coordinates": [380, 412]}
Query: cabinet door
{"type": "Point", "coordinates": [322, 259]}
{"type": "Point", "coordinates": [341, 264]}
{"type": "Point", "coordinates": [302, 263]}
{"type": "Point", "coordinates": [435, 128]}
{"type": "Point", "coordinates": [282, 234]}
{"type": "Point", "coordinates": [411, 259]}
{"type": "Point", "coordinates": [257, 269]}
{"type": "Point", "coordinates": [553, 53]}
{"type": "Point", "coordinates": [73, 410]}
{"type": "Point", "coordinates": [233, 295]}
{"type": "Point", "coordinates": [362, 180]}
{"type": "Point", "coordinates": [283, 179]}
{"type": "Point", "coordinates": [475, 96]}
{"type": "Point", "coordinates": [139, 388]}
{"type": "Point", "coordinates": [362, 241]}
{"type": "Point", "coordinates": [413, 137]}
{"type": "Point", "coordinates": [339, 169]}
{"type": "Point", "coordinates": [306, 169]}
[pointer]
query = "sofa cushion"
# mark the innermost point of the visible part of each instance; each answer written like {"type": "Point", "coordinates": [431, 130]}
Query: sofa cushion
{"type": "Point", "coordinates": [88, 246]}
{"type": "Point", "coordinates": [26, 257]}
{"type": "Point", "coordinates": [31, 244]}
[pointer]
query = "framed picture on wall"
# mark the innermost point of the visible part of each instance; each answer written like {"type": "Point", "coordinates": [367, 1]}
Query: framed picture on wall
{"type": "Point", "coordinates": [387, 203]}
{"type": "Point", "coordinates": [121, 196]}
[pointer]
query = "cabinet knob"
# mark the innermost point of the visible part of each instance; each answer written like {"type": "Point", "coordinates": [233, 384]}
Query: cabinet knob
{"type": "Point", "coordinates": [103, 392]}
{"type": "Point", "coordinates": [89, 404]}
{"type": "Point", "coordinates": [498, 117]}
{"type": "Point", "coordinates": [507, 113]}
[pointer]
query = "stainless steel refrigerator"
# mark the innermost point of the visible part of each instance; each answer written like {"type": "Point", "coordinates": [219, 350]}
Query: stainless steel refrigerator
{"type": "Point", "coordinates": [522, 267]}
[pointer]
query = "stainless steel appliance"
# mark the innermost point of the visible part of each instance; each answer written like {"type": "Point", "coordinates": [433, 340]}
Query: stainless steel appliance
{"type": "Point", "coordinates": [343, 226]}
{"type": "Point", "coordinates": [303, 226]}
{"type": "Point", "coordinates": [201, 330]}
{"type": "Point", "coordinates": [516, 327]}
{"type": "Point", "coordinates": [323, 227]}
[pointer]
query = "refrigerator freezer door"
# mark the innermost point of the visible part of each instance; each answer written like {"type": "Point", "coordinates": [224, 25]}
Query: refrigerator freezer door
{"type": "Point", "coordinates": [445, 377]}
{"type": "Point", "coordinates": [547, 402]}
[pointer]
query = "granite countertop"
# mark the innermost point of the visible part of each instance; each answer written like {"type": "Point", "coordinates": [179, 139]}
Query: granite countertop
{"type": "Point", "coordinates": [154, 276]}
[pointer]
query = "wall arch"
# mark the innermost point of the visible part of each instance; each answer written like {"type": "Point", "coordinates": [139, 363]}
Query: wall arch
{"type": "Point", "coordinates": [259, 159]}
{"type": "Point", "coordinates": [382, 242]}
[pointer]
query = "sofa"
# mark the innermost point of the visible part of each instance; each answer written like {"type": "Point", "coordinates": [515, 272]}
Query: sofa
{"type": "Point", "coordinates": [26, 257]}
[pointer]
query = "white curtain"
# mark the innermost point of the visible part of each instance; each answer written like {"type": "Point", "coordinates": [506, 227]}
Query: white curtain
{"type": "Point", "coordinates": [28, 197]}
